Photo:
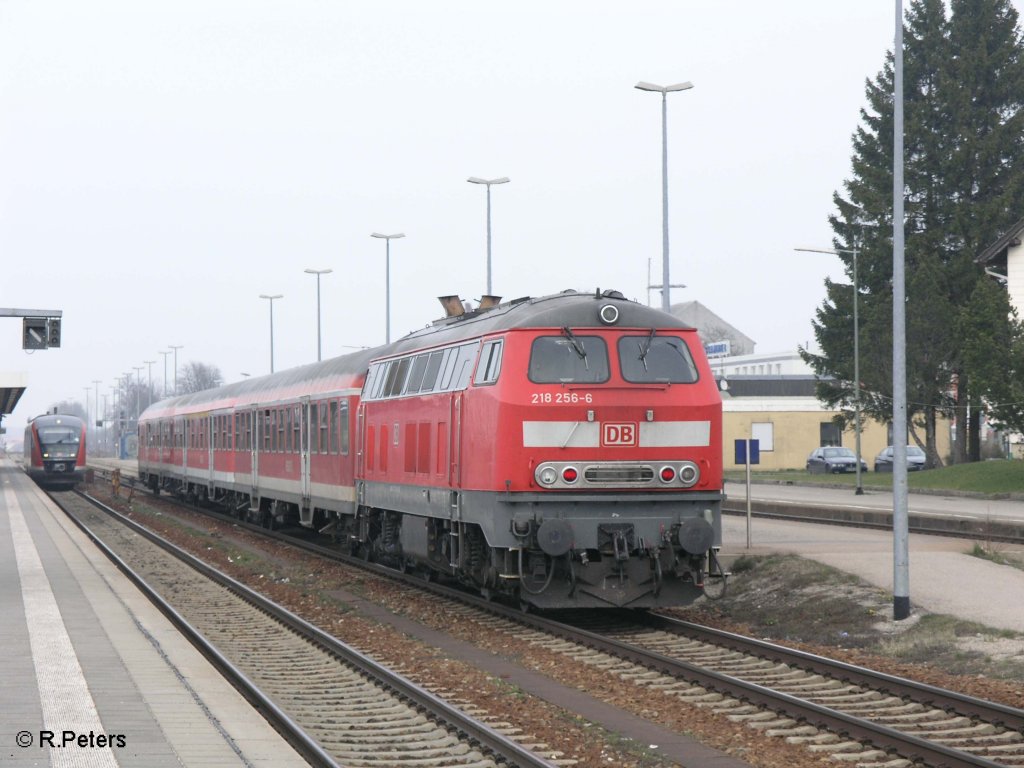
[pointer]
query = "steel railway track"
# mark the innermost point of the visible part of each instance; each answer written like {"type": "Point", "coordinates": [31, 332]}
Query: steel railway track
{"type": "Point", "coordinates": [335, 705]}
{"type": "Point", "coordinates": [849, 712]}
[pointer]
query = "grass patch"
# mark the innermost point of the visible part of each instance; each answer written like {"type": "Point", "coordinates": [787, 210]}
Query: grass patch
{"type": "Point", "coordinates": [997, 477]}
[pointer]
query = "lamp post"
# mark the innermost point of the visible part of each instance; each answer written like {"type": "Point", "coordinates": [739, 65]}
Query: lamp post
{"type": "Point", "coordinates": [138, 391]}
{"type": "Point", "coordinates": [856, 350]}
{"type": "Point", "coordinates": [86, 409]}
{"type": "Point", "coordinates": [387, 279]}
{"type": "Point", "coordinates": [318, 272]}
{"type": "Point", "coordinates": [271, 300]}
{"type": "Point", "coordinates": [664, 90]}
{"type": "Point", "coordinates": [488, 183]}
{"type": "Point", "coordinates": [175, 348]}
{"type": "Point", "coordinates": [96, 416]}
{"type": "Point", "coordinates": [165, 354]}
{"type": "Point", "coordinates": [149, 391]}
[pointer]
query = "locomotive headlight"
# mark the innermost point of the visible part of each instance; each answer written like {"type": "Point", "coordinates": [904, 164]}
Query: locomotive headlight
{"type": "Point", "coordinates": [547, 476]}
{"type": "Point", "coordinates": [609, 314]}
{"type": "Point", "coordinates": [689, 474]}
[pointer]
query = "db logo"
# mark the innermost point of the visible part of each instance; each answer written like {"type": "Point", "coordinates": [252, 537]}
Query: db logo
{"type": "Point", "coordinates": [619, 434]}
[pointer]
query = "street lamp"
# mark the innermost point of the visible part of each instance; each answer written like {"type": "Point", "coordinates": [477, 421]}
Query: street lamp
{"type": "Point", "coordinates": [664, 90]}
{"type": "Point", "coordinates": [165, 354]}
{"type": "Point", "coordinates": [138, 391]}
{"type": "Point", "coordinates": [175, 348]}
{"type": "Point", "coordinates": [149, 392]}
{"type": "Point", "coordinates": [271, 300]}
{"type": "Point", "coordinates": [488, 182]}
{"type": "Point", "coordinates": [317, 272]}
{"type": "Point", "coordinates": [387, 279]}
{"type": "Point", "coordinates": [856, 349]}
{"type": "Point", "coordinates": [96, 402]}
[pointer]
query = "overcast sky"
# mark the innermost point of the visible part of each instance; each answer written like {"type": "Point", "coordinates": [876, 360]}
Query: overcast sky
{"type": "Point", "coordinates": [162, 164]}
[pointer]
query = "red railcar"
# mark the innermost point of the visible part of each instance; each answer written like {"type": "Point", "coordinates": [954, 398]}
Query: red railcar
{"type": "Point", "coordinates": [564, 450]}
{"type": "Point", "coordinates": [55, 450]}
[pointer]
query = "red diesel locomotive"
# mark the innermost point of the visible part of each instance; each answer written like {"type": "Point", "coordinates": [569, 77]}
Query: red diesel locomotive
{"type": "Point", "coordinates": [564, 451]}
{"type": "Point", "coordinates": [55, 450]}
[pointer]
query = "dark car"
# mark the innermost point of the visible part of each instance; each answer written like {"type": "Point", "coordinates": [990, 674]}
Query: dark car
{"type": "Point", "coordinates": [915, 459]}
{"type": "Point", "coordinates": [834, 459]}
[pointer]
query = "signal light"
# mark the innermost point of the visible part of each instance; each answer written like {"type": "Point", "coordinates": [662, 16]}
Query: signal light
{"type": "Point", "coordinates": [668, 474]}
{"type": "Point", "coordinates": [53, 332]}
{"type": "Point", "coordinates": [570, 475]}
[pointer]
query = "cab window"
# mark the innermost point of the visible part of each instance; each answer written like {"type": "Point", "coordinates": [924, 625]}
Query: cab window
{"type": "Point", "coordinates": [568, 359]}
{"type": "Point", "coordinates": [656, 359]}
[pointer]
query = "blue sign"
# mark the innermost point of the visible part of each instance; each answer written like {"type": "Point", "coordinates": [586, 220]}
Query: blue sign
{"type": "Point", "coordinates": [741, 451]}
{"type": "Point", "coordinates": [717, 348]}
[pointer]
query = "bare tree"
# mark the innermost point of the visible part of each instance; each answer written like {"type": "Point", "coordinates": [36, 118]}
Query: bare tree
{"type": "Point", "coordinates": [195, 377]}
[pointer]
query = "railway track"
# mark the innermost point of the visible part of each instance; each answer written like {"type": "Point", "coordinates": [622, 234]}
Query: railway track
{"type": "Point", "coordinates": [336, 705]}
{"type": "Point", "coordinates": [849, 713]}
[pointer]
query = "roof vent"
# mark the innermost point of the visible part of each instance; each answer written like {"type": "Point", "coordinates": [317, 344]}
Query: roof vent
{"type": "Point", "coordinates": [489, 302]}
{"type": "Point", "coordinates": [452, 306]}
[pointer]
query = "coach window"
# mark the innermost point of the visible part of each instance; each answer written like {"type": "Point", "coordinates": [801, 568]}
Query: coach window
{"type": "Point", "coordinates": [265, 430]}
{"type": "Point", "coordinates": [282, 435]}
{"type": "Point", "coordinates": [568, 359]}
{"type": "Point", "coordinates": [651, 359]}
{"type": "Point", "coordinates": [324, 428]}
{"type": "Point", "coordinates": [333, 410]}
{"type": "Point", "coordinates": [490, 363]}
{"type": "Point", "coordinates": [343, 427]}
{"type": "Point", "coordinates": [313, 422]}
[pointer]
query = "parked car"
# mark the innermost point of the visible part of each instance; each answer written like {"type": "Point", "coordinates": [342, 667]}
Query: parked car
{"type": "Point", "coordinates": [915, 459]}
{"type": "Point", "coordinates": [834, 459]}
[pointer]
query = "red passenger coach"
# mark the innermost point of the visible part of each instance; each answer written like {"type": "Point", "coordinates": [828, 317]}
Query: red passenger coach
{"type": "Point", "coordinates": [563, 451]}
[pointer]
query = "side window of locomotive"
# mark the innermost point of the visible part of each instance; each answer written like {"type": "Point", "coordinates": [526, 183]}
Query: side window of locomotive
{"type": "Point", "coordinates": [656, 359]}
{"type": "Point", "coordinates": [415, 382]}
{"type": "Point", "coordinates": [433, 368]}
{"type": "Point", "coordinates": [490, 363]}
{"type": "Point", "coordinates": [458, 367]}
{"type": "Point", "coordinates": [562, 360]}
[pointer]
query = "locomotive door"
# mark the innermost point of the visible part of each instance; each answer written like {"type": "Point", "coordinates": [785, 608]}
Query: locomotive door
{"type": "Point", "coordinates": [308, 416]}
{"type": "Point", "coordinates": [455, 466]}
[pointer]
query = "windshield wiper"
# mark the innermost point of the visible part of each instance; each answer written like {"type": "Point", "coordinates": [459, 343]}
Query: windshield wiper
{"type": "Point", "coordinates": [577, 346]}
{"type": "Point", "coordinates": [646, 348]}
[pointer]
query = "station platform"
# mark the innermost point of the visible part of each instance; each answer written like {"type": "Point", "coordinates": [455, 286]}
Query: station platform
{"type": "Point", "coordinates": [93, 674]}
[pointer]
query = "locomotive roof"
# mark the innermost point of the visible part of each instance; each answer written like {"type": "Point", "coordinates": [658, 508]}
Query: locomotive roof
{"type": "Point", "coordinates": [567, 309]}
{"type": "Point", "coordinates": [54, 418]}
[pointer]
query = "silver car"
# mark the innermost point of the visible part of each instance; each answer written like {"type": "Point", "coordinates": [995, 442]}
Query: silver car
{"type": "Point", "coordinates": [829, 459]}
{"type": "Point", "coordinates": [915, 459]}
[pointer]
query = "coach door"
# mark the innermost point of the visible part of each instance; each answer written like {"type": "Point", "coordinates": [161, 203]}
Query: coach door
{"type": "Point", "coordinates": [309, 424]}
{"type": "Point", "coordinates": [253, 429]}
{"type": "Point", "coordinates": [212, 434]}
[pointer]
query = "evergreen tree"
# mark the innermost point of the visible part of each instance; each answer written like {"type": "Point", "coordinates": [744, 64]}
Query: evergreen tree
{"type": "Point", "coordinates": [963, 88]}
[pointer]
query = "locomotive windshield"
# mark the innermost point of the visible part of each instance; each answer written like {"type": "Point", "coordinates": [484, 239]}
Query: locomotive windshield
{"type": "Point", "coordinates": [568, 359]}
{"type": "Point", "coordinates": [656, 359]}
{"type": "Point", "coordinates": [58, 436]}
